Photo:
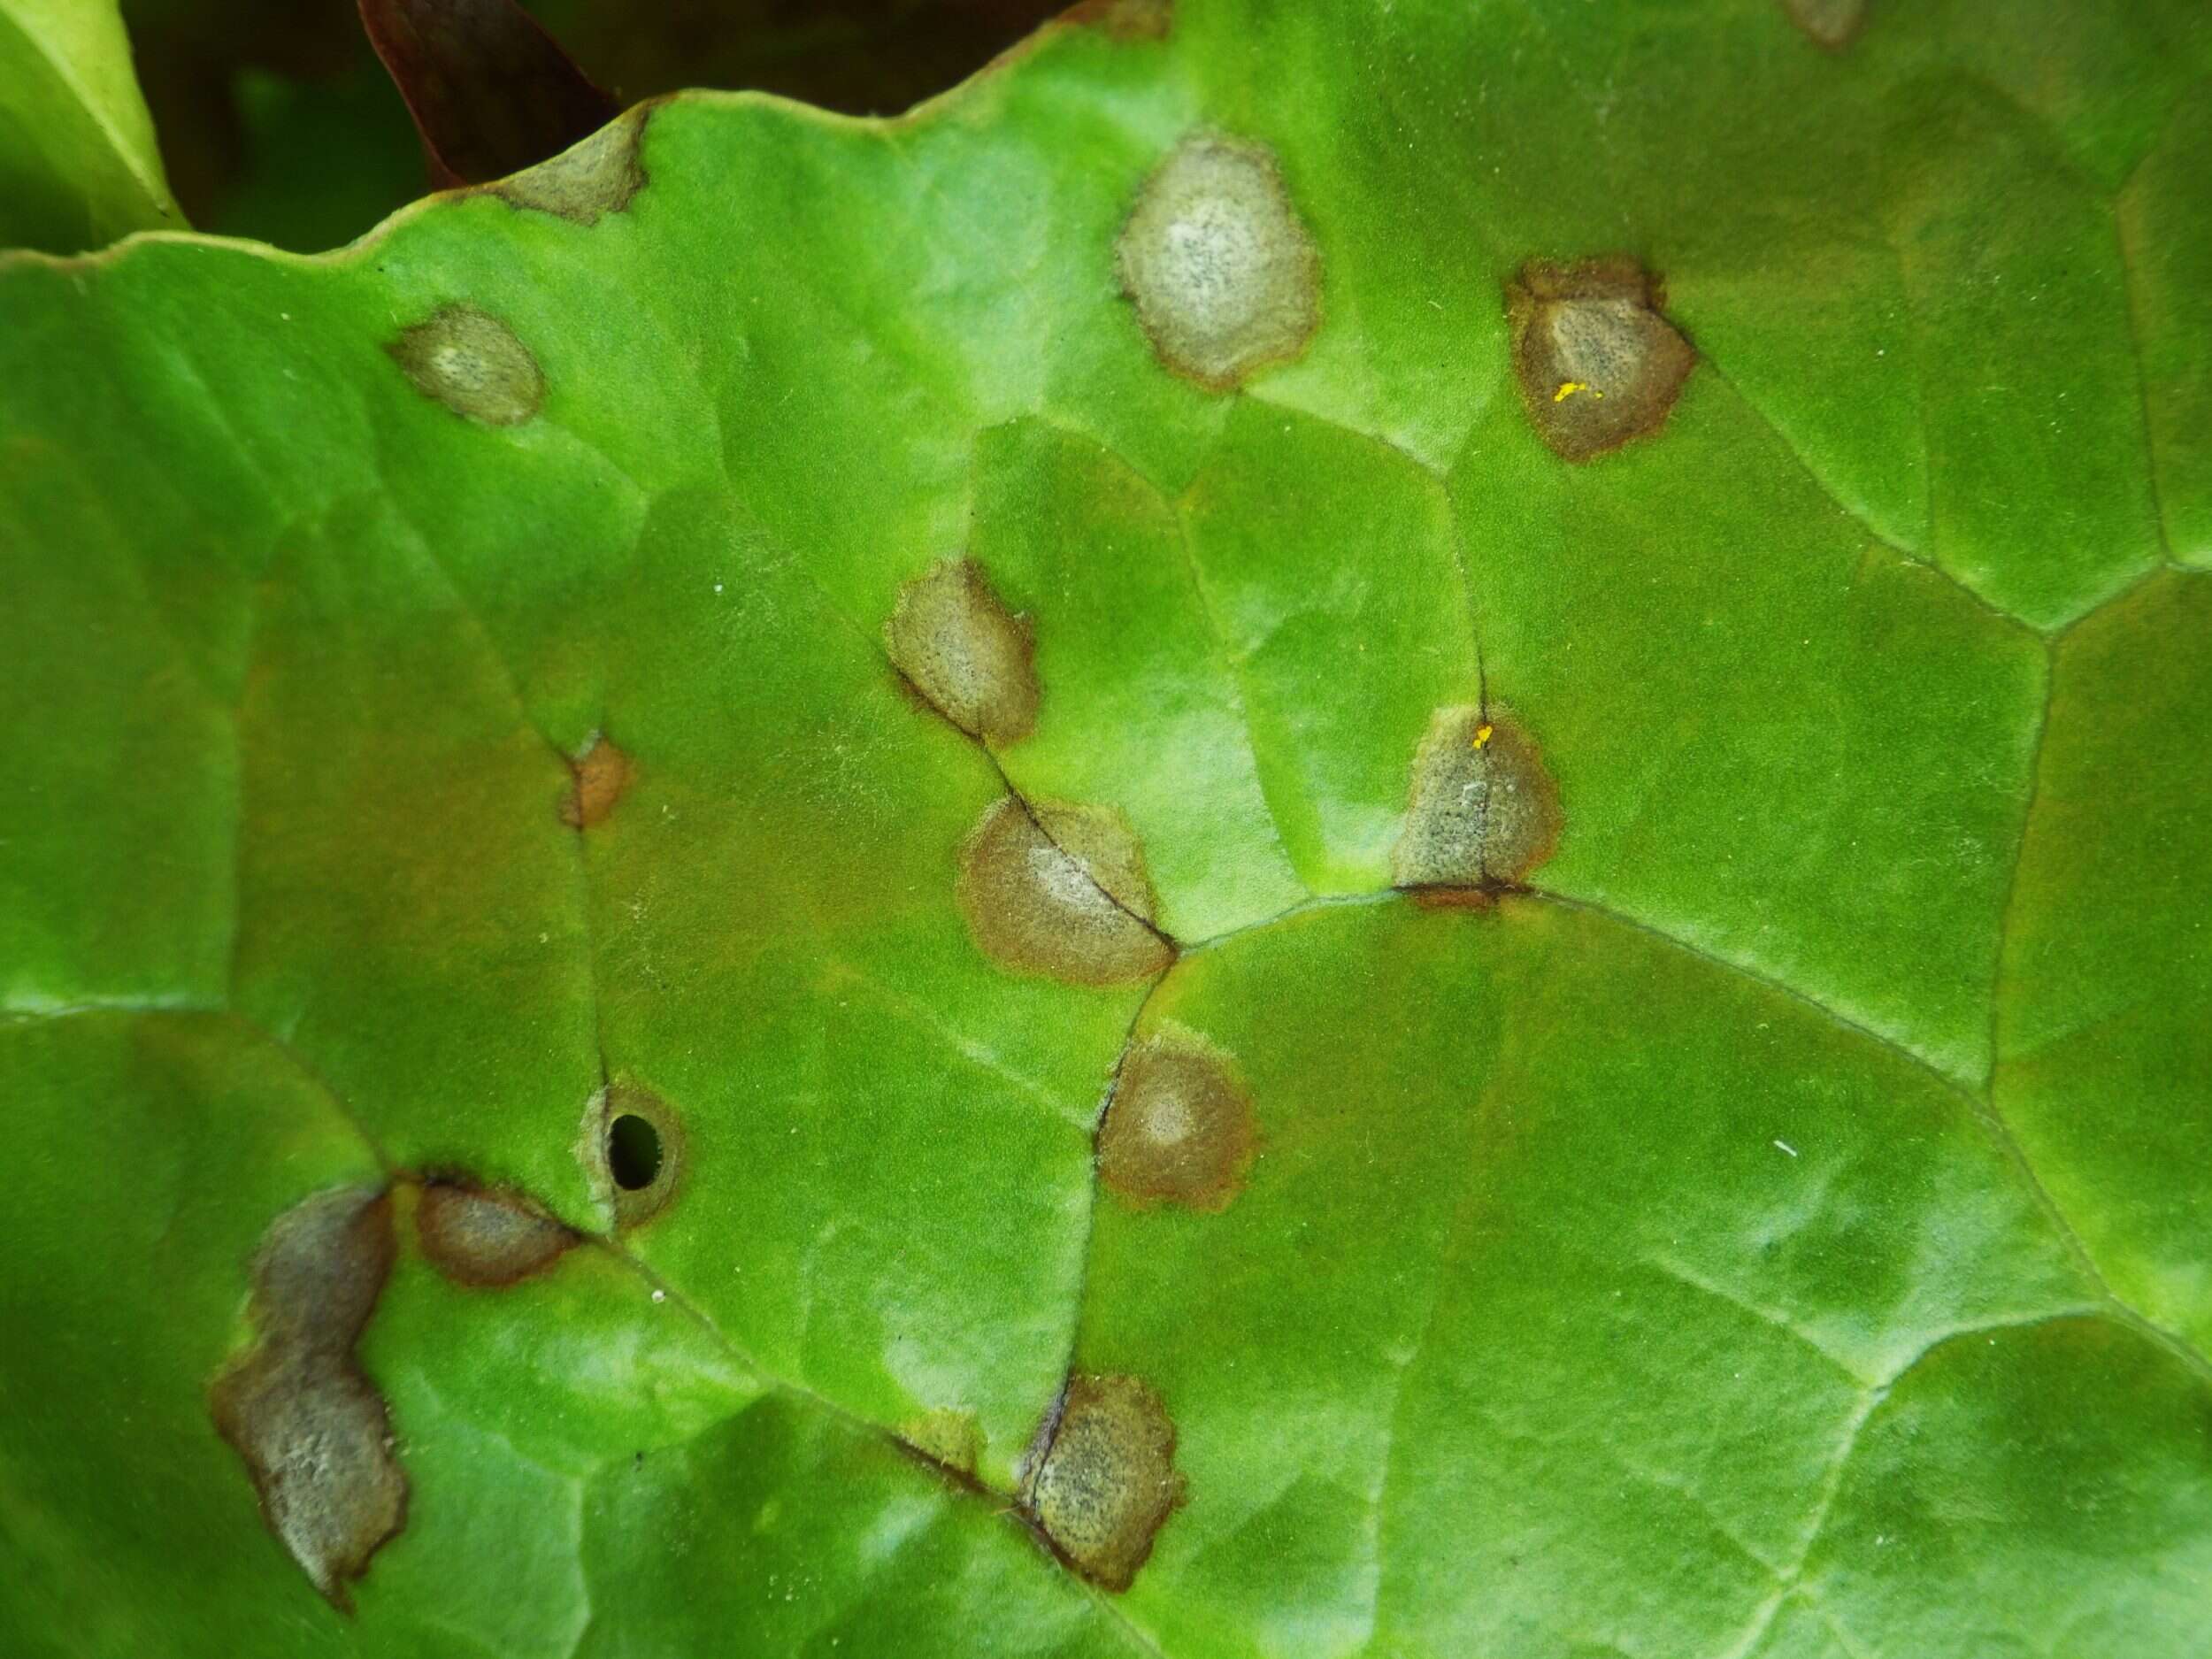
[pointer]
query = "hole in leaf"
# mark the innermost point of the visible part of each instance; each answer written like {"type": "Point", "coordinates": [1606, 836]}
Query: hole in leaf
{"type": "Point", "coordinates": [633, 1152]}
{"type": "Point", "coordinates": [634, 1149]}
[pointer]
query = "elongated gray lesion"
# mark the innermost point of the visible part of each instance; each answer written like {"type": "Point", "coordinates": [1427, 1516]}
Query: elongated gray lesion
{"type": "Point", "coordinates": [312, 1430]}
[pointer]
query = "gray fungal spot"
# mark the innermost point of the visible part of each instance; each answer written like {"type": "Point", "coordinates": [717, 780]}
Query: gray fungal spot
{"type": "Point", "coordinates": [1105, 1482]}
{"type": "Point", "coordinates": [313, 1432]}
{"type": "Point", "coordinates": [1225, 275]}
{"type": "Point", "coordinates": [1833, 23]}
{"type": "Point", "coordinates": [472, 362]}
{"type": "Point", "coordinates": [1597, 363]}
{"type": "Point", "coordinates": [1061, 890]}
{"type": "Point", "coordinates": [1179, 1128]}
{"type": "Point", "coordinates": [958, 645]}
{"type": "Point", "coordinates": [318, 1443]}
{"type": "Point", "coordinates": [634, 1150]}
{"type": "Point", "coordinates": [595, 177]}
{"type": "Point", "coordinates": [485, 1237]}
{"type": "Point", "coordinates": [599, 774]}
{"type": "Point", "coordinates": [1482, 809]}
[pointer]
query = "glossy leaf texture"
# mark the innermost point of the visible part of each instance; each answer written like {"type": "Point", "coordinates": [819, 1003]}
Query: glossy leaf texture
{"type": "Point", "coordinates": [78, 163]}
{"type": "Point", "coordinates": [1757, 1207]}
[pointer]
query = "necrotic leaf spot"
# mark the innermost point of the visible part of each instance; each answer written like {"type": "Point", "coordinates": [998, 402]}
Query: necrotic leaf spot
{"type": "Point", "coordinates": [1481, 808]}
{"type": "Point", "coordinates": [1106, 1481]}
{"type": "Point", "coordinates": [1061, 890]}
{"type": "Point", "coordinates": [472, 362]}
{"type": "Point", "coordinates": [1833, 23]}
{"type": "Point", "coordinates": [597, 176]}
{"type": "Point", "coordinates": [1597, 364]}
{"type": "Point", "coordinates": [313, 1433]}
{"type": "Point", "coordinates": [599, 773]}
{"type": "Point", "coordinates": [483, 1236]}
{"type": "Point", "coordinates": [1179, 1128]}
{"type": "Point", "coordinates": [959, 646]}
{"type": "Point", "coordinates": [632, 1150]}
{"type": "Point", "coordinates": [1224, 273]}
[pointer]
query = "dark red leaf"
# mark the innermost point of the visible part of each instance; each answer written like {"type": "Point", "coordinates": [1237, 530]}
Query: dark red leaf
{"type": "Point", "coordinates": [491, 91]}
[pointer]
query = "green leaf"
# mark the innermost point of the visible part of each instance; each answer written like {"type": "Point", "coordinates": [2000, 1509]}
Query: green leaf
{"type": "Point", "coordinates": [77, 164]}
{"type": "Point", "coordinates": [815, 795]}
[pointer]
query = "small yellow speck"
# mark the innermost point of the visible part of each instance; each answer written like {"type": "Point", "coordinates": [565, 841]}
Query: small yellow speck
{"type": "Point", "coordinates": [1482, 736]}
{"type": "Point", "coordinates": [1567, 388]}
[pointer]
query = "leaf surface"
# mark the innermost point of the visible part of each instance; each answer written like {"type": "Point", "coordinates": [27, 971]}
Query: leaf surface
{"type": "Point", "coordinates": [456, 711]}
{"type": "Point", "coordinates": [78, 164]}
